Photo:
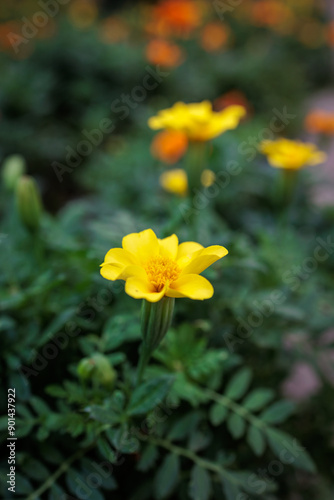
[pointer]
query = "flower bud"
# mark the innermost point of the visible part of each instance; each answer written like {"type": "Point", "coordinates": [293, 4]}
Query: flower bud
{"type": "Point", "coordinates": [85, 368]}
{"type": "Point", "coordinates": [29, 203]}
{"type": "Point", "coordinates": [156, 319]}
{"type": "Point", "coordinates": [13, 168]}
{"type": "Point", "coordinates": [97, 368]}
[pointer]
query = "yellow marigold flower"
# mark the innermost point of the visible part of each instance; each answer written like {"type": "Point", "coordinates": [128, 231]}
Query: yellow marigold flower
{"type": "Point", "coordinates": [283, 153]}
{"type": "Point", "coordinates": [153, 268]}
{"type": "Point", "coordinates": [198, 121]}
{"type": "Point", "coordinates": [176, 181]}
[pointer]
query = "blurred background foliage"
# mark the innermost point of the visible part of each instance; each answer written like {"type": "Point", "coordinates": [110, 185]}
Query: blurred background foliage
{"type": "Point", "coordinates": [76, 79]}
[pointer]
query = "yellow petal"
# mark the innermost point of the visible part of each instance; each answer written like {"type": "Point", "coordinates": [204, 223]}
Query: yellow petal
{"type": "Point", "coordinates": [143, 245]}
{"type": "Point", "coordinates": [203, 259]}
{"type": "Point", "coordinates": [111, 272]}
{"type": "Point", "coordinates": [119, 256]}
{"type": "Point", "coordinates": [187, 252]}
{"type": "Point", "coordinates": [169, 246]}
{"type": "Point", "coordinates": [188, 248]}
{"type": "Point", "coordinates": [141, 289]}
{"type": "Point", "coordinates": [192, 286]}
{"type": "Point", "coordinates": [133, 272]}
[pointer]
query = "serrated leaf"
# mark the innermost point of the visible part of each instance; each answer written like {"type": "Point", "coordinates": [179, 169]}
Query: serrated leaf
{"type": "Point", "coordinates": [236, 425]}
{"type": "Point", "coordinates": [217, 414]}
{"type": "Point", "coordinates": [289, 450]}
{"type": "Point", "coordinates": [148, 458]}
{"type": "Point", "coordinates": [256, 440]}
{"type": "Point", "coordinates": [167, 477]}
{"type": "Point", "coordinates": [148, 395]}
{"type": "Point", "coordinates": [200, 484]}
{"type": "Point", "coordinates": [277, 412]}
{"type": "Point", "coordinates": [239, 384]}
{"type": "Point", "coordinates": [258, 399]}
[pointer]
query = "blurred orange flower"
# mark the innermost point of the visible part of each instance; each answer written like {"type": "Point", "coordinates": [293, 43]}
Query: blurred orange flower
{"type": "Point", "coordinates": [175, 17]}
{"type": "Point", "coordinates": [5, 30]}
{"type": "Point", "coordinates": [169, 146]}
{"type": "Point", "coordinates": [272, 13]}
{"type": "Point", "coordinates": [320, 122]}
{"type": "Point", "coordinates": [113, 30]}
{"type": "Point", "coordinates": [214, 36]}
{"type": "Point", "coordinates": [330, 34]}
{"type": "Point", "coordinates": [231, 98]}
{"type": "Point", "coordinates": [164, 53]}
{"type": "Point", "coordinates": [311, 33]}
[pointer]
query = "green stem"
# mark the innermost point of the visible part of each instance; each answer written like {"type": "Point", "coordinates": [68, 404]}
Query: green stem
{"type": "Point", "coordinates": [201, 462]}
{"type": "Point", "coordinates": [144, 358]}
{"type": "Point", "coordinates": [231, 405]}
{"type": "Point", "coordinates": [63, 468]}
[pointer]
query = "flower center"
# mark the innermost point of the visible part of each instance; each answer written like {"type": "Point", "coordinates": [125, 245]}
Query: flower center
{"type": "Point", "coordinates": [161, 271]}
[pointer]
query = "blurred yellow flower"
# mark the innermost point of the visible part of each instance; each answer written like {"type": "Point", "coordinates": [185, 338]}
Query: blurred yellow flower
{"type": "Point", "coordinates": [198, 121]}
{"type": "Point", "coordinates": [283, 153]}
{"type": "Point", "coordinates": [153, 268]}
{"type": "Point", "coordinates": [176, 181]}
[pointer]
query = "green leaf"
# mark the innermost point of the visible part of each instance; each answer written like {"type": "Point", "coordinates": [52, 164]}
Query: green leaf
{"type": "Point", "coordinates": [217, 414]}
{"type": "Point", "coordinates": [258, 399]}
{"type": "Point", "coordinates": [106, 450]}
{"type": "Point", "coordinates": [56, 492]}
{"type": "Point", "coordinates": [148, 395]}
{"type": "Point", "coordinates": [36, 470]}
{"type": "Point", "coordinates": [256, 440]}
{"type": "Point", "coordinates": [56, 391]}
{"type": "Point", "coordinates": [148, 458]}
{"type": "Point", "coordinates": [123, 440]}
{"type": "Point", "coordinates": [56, 325]}
{"type": "Point", "coordinates": [239, 384]}
{"type": "Point", "coordinates": [199, 440]}
{"type": "Point", "coordinates": [230, 488]}
{"type": "Point", "coordinates": [236, 425]}
{"type": "Point", "coordinates": [278, 412]}
{"type": "Point", "coordinates": [200, 484]}
{"type": "Point", "coordinates": [167, 477]}
{"type": "Point", "coordinates": [289, 450]}
{"type": "Point", "coordinates": [184, 426]}
{"type": "Point", "coordinates": [22, 486]}
{"type": "Point", "coordinates": [102, 414]}
{"type": "Point", "coordinates": [39, 406]}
